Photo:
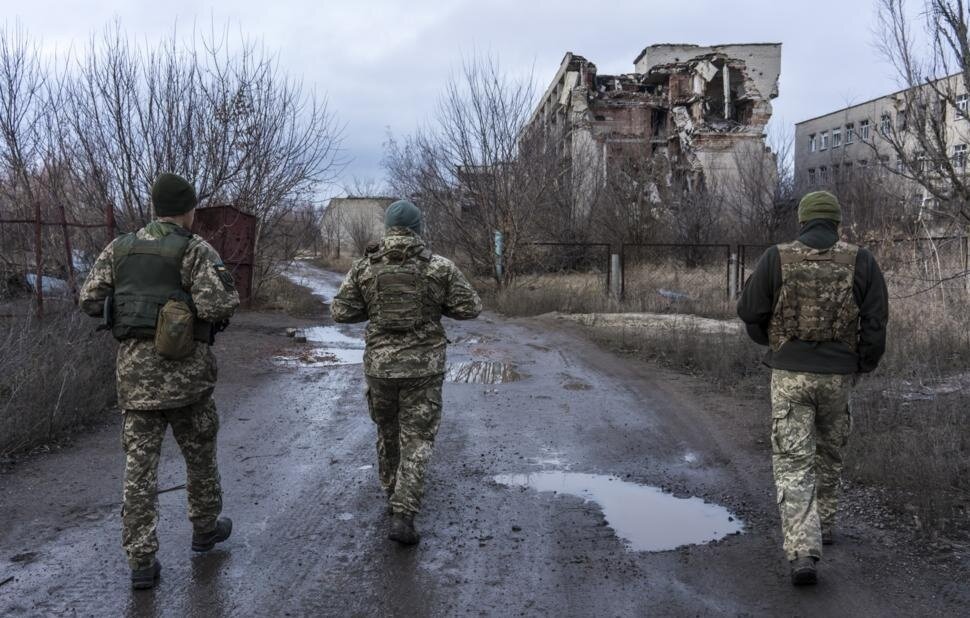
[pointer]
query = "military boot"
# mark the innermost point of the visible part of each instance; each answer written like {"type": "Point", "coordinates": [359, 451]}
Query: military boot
{"type": "Point", "coordinates": [145, 577]}
{"type": "Point", "coordinates": [402, 529]}
{"type": "Point", "coordinates": [803, 571]}
{"type": "Point", "coordinates": [204, 541]}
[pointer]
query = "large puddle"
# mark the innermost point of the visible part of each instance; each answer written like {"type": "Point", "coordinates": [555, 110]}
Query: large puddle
{"type": "Point", "coordinates": [482, 372]}
{"type": "Point", "coordinates": [645, 518]}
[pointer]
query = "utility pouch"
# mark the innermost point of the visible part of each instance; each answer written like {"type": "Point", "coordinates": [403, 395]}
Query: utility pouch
{"type": "Point", "coordinates": [175, 330]}
{"type": "Point", "coordinates": [107, 314]}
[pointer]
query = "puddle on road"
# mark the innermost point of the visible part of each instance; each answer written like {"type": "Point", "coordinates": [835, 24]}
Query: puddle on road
{"type": "Point", "coordinates": [337, 348]}
{"type": "Point", "coordinates": [482, 372]}
{"type": "Point", "coordinates": [321, 357]}
{"type": "Point", "coordinates": [645, 518]}
{"type": "Point", "coordinates": [331, 335]}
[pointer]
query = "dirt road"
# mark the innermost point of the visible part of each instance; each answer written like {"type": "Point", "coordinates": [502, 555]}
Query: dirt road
{"type": "Point", "coordinates": [297, 455]}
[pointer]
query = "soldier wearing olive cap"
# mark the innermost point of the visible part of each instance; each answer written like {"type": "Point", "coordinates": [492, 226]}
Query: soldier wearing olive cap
{"type": "Point", "coordinates": [131, 285]}
{"type": "Point", "coordinates": [821, 306]}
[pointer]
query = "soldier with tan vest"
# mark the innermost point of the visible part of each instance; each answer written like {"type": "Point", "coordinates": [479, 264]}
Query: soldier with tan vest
{"type": "Point", "coordinates": [821, 307]}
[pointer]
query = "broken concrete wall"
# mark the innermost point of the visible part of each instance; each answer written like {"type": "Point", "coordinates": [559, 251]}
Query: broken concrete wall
{"type": "Point", "coordinates": [693, 107]}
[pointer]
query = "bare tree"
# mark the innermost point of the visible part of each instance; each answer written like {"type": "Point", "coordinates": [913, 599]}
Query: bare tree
{"type": "Point", "coordinates": [476, 170]}
{"type": "Point", "coordinates": [933, 67]}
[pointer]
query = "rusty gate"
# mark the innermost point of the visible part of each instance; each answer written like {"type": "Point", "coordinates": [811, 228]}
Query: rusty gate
{"type": "Point", "coordinates": [233, 234]}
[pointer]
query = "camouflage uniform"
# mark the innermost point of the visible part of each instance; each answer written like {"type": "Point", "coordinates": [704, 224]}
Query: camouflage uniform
{"type": "Point", "coordinates": [810, 427]}
{"type": "Point", "coordinates": [405, 370]}
{"type": "Point", "coordinates": [810, 411]}
{"type": "Point", "coordinates": [155, 392]}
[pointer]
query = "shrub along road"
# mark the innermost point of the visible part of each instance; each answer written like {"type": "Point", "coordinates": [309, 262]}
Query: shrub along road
{"type": "Point", "coordinates": [297, 459]}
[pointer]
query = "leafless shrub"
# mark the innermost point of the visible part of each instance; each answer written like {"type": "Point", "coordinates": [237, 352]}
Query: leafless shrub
{"type": "Point", "coordinates": [54, 375]}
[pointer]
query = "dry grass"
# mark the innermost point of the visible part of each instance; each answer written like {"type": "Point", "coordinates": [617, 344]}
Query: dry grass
{"type": "Point", "coordinates": [54, 375]}
{"type": "Point", "coordinates": [662, 288]}
{"type": "Point", "coordinates": [281, 294]}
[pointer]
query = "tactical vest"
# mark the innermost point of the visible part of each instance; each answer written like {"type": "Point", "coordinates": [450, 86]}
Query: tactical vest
{"type": "Point", "coordinates": [147, 273]}
{"type": "Point", "coordinates": [816, 301]}
{"type": "Point", "coordinates": [401, 299]}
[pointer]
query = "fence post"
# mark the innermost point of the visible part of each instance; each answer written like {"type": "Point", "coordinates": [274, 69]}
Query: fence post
{"type": "Point", "coordinates": [622, 271]}
{"type": "Point", "coordinates": [109, 222]}
{"type": "Point", "coordinates": [39, 257]}
{"type": "Point", "coordinates": [68, 252]}
{"type": "Point", "coordinates": [616, 276]}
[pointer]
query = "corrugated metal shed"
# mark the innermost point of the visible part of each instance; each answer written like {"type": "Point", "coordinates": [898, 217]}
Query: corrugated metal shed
{"type": "Point", "coordinates": [233, 234]}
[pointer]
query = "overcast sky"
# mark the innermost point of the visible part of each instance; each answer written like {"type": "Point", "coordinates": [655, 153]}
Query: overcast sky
{"type": "Point", "coordinates": [383, 63]}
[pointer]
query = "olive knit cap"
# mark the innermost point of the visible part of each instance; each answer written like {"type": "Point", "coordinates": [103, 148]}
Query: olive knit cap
{"type": "Point", "coordinates": [403, 213]}
{"type": "Point", "coordinates": [173, 195]}
{"type": "Point", "coordinates": [819, 205]}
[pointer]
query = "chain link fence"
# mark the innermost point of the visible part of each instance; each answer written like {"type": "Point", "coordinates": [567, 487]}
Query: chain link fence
{"type": "Point", "coordinates": [676, 277]}
{"type": "Point", "coordinates": [580, 265]}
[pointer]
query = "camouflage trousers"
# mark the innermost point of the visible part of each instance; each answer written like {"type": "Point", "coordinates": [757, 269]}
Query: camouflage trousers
{"type": "Point", "coordinates": [407, 413]}
{"type": "Point", "coordinates": [810, 427]}
{"type": "Point", "coordinates": [195, 427]}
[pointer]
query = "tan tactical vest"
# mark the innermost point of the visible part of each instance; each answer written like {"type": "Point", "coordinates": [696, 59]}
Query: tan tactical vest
{"type": "Point", "coordinates": [401, 298]}
{"type": "Point", "coordinates": [816, 301]}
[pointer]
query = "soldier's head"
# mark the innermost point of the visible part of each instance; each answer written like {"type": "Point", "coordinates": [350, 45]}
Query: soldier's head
{"type": "Point", "coordinates": [403, 213]}
{"type": "Point", "coordinates": [819, 205]}
{"type": "Point", "coordinates": [174, 199]}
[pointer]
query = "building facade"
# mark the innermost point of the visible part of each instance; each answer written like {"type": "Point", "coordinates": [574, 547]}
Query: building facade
{"type": "Point", "coordinates": [349, 224]}
{"type": "Point", "coordinates": [686, 110]}
{"type": "Point", "coordinates": [878, 140]}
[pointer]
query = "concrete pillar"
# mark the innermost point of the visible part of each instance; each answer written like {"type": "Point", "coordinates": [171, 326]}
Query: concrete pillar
{"type": "Point", "coordinates": [616, 276]}
{"type": "Point", "coordinates": [733, 282]}
{"type": "Point", "coordinates": [726, 76]}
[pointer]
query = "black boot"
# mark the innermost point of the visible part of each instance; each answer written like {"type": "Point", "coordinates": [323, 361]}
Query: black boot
{"type": "Point", "coordinates": [207, 540]}
{"type": "Point", "coordinates": [145, 577]}
{"type": "Point", "coordinates": [402, 529]}
{"type": "Point", "coordinates": [803, 571]}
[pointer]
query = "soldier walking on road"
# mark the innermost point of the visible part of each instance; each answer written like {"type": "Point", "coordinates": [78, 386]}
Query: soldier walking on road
{"type": "Point", "coordinates": [403, 290]}
{"type": "Point", "coordinates": [821, 306]}
{"type": "Point", "coordinates": [164, 293]}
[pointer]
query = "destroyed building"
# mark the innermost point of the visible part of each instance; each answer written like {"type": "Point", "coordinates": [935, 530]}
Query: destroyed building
{"type": "Point", "coordinates": [686, 111]}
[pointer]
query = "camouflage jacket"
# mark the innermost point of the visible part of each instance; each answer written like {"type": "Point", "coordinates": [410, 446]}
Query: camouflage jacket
{"type": "Point", "coordinates": [420, 352]}
{"type": "Point", "coordinates": [146, 381]}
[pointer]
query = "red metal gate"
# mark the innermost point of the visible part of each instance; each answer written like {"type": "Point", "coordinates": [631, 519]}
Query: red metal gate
{"type": "Point", "coordinates": [233, 234]}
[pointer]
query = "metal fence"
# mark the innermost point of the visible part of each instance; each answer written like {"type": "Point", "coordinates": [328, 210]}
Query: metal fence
{"type": "Point", "coordinates": [660, 274]}
{"type": "Point", "coordinates": [582, 262]}
{"type": "Point", "coordinates": [46, 257]}
{"type": "Point", "coordinates": [656, 276]}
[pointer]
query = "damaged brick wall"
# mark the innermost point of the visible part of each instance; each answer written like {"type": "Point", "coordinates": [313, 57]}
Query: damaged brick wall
{"type": "Point", "coordinates": [693, 107]}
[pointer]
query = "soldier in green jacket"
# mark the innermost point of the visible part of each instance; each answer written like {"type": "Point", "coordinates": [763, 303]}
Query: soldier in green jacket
{"type": "Point", "coordinates": [821, 306]}
{"type": "Point", "coordinates": [131, 281]}
{"type": "Point", "coordinates": [403, 290]}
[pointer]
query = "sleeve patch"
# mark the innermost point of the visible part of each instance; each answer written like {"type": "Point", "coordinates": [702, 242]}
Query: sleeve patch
{"type": "Point", "coordinates": [225, 276]}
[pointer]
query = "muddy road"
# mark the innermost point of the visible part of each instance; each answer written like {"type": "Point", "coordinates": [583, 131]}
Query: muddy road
{"type": "Point", "coordinates": [567, 481]}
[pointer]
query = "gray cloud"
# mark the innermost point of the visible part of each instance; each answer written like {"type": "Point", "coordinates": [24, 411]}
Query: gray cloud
{"type": "Point", "coordinates": [383, 63]}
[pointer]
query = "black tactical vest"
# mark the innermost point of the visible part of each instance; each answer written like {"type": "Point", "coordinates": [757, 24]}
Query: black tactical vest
{"type": "Point", "coordinates": [147, 273]}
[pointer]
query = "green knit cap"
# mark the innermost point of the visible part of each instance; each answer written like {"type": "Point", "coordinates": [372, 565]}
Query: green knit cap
{"type": "Point", "coordinates": [173, 195]}
{"type": "Point", "coordinates": [403, 213]}
{"type": "Point", "coordinates": [819, 205]}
